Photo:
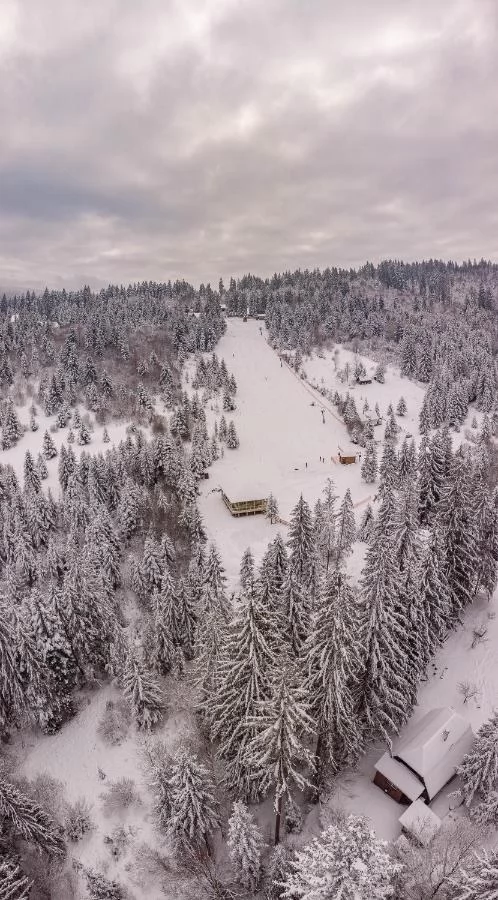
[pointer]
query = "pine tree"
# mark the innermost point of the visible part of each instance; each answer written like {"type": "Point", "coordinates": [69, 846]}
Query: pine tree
{"type": "Point", "coordinates": [369, 464]}
{"type": "Point", "coordinates": [222, 433]}
{"type": "Point", "coordinates": [277, 871]}
{"type": "Point", "coordinates": [327, 536]}
{"type": "Point", "coordinates": [477, 880]}
{"type": "Point", "coordinates": [456, 521]}
{"type": "Point", "coordinates": [84, 436]}
{"type": "Point", "coordinates": [389, 682]}
{"type": "Point", "coordinates": [247, 574]}
{"type": "Point", "coordinates": [272, 512]}
{"type": "Point", "coordinates": [244, 671]}
{"type": "Point", "coordinates": [296, 607]}
{"type": "Point", "coordinates": [245, 844]}
{"type": "Point", "coordinates": [12, 699]}
{"type": "Point", "coordinates": [162, 639]}
{"type": "Point", "coordinates": [28, 820]}
{"type": "Point", "coordinates": [49, 448]}
{"type": "Point", "coordinates": [479, 767]}
{"type": "Point", "coordinates": [407, 542]}
{"type": "Point", "coordinates": [32, 479]}
{"type": "Point", "coordinates": [142, 691]}
{"type": "Point", "coordinates": [209, 645]}
{"type": "Point", "coordinates": [41, 467]}
{"type": "Point", "coordinates": [334, 661]}
{"type": "Point", "coordinates": [105, 436]}
{"type": "Point", "coordinates": [301, 542]}
{"type": "Point", "coordinates": [388, 470]}
{"type": "Point", "coordinates": [401, 408]}
{"type": "Point", "coordinates": [278, 749]}
{"type": "Point", "coordinates": [11, 426]}
{"type": "Point", "coordinates": [346, 529]}
{"type": "Point", "coordinates": [213, 590]}
{"type": "Point", "coordinates": [486, 813]}
{"type": "Point", "coordinates": [232, 437]}
{"type": "Point", "coordinates": [194, 813]}
{"type": "Point", "coordinates": [435, 596]}
{"type": "Point", "coordinates": [347, 862]}
{"type": "Point", "coordinates": [365, 530]}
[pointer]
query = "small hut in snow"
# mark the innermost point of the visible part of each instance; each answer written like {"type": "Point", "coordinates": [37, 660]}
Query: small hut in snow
{"type": "Point", "coordinates": [348, 456]}
{"type": "Point", "coordinates": [420, 823]}
{"type": "Point", "coordinates": [425, 759]}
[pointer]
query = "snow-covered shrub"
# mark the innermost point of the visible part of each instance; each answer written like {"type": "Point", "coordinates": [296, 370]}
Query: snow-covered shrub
{"type": "Point", "coordinates": [120, 795]}
{"type": "Point", "coordinates": [118, 842]}
{"type": "Point", "coordinates": [100, 888]}
{"type": "Point", "coordinates": [78, 821]}
{"type": "Point", "coordinates": [115, 722]}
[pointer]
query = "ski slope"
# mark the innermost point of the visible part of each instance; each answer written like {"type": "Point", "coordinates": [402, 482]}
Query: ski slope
{"type": "Point", "coordinates": [282, 437]}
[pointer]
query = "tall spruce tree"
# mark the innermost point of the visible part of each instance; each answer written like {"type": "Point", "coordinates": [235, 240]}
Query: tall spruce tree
{"type": "Point", "coordinates": [388, 688]}
{"type": "Point", "coordinates": [334, 661]}
{"type": "Point", "coordinates": [278, 749]}
{"type": "Point", "coordinates": [194, 810]}
{"type": "Point", "coordinates": [245, 670]}
{"type": "Point", "coordinates": [301, 543]}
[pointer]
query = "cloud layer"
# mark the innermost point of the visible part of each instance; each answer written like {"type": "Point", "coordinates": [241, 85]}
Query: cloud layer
{"type": "Point", "coordinates": [198, 138]}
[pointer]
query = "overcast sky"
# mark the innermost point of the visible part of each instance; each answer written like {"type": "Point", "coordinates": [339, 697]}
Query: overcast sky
{"type": "Point", "coordinates": [156, 139]}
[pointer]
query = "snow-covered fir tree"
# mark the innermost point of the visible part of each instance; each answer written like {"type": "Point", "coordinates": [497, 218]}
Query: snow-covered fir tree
{"type": "Point", "coordinates": [232, 437]}
{"type": "Point", "coordinates": [272, 512]}
{"type": "Point", "coordinates": [345, 529]}
{"type": "Point", "coordinates": [278, 749]}
{"type": "Point", "coordinates": [194, 809]}
{"type": "Point", "coordinates": [477, 880]}
{"type": "Point", "coordinates": [142, 690]}
{"type": "Point", "coordinates": [369, 464]}
{"type": "Point", "coordinates": [334, 661]}
{"type": "Point", "coordinates": [245, 669]}
{"type": "Point", "coordinates": [247, 573]}
{"type": "Point", "coordinates": [478, 770]}
{"type": "Point", "coordinates": [49, 448]}
{"type": "Point", "coordinates": [390, 676]}
{"type": "Point", "coordinates": [365, 530]}
{"type": "Point", "coordinates": [347, 862]}
{"type": "Point", "coordinates": [245, 843]}
{"type": "Point", "coordinates": [301, 542]}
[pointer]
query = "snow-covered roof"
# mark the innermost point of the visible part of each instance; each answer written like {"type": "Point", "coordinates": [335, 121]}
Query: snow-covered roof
{"type": "Point", "coordinates": [435, 746]}
{"type": "Point", "coordinates": [420, 821]}
{"type": "Point", "coordinates": [398, 774]}
{"type": "Point", "coordinates": [237, 489]}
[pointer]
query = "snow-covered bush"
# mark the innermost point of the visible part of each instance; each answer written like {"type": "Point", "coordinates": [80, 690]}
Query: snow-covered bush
{"type": "Point", "coordinates": [100, 888]}
{"type": "Point", "coordinates": [120, 795]}
{"type": "Point", "coordinates": [78, 821]}
{"type": "Point", "coordinates": [115, 722]}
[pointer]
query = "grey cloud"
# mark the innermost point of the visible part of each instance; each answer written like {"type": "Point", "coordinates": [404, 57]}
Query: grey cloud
{"type": "Point", "coordinates": [139, 140]}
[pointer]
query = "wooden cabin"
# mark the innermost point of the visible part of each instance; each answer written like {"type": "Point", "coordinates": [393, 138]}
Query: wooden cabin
{"type": "Point", "coordinates": [347, 457]}
{"type": "Point", "coordinates": [245, 507]}
{"type": "Point", "coordinates": [364, 379]}
{"type": "Point", "coordinates": [426, 758]}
